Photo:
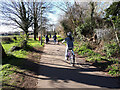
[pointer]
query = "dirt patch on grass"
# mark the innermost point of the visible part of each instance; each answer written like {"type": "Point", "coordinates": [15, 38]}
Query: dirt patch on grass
{"type": "Point", "coordinates": [30, 77]}
{"type": "Point", "coordinates": [21, 80]}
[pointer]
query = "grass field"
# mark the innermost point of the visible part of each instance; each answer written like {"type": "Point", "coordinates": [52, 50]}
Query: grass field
{"type": "Point", "coordinates": [15, 61]}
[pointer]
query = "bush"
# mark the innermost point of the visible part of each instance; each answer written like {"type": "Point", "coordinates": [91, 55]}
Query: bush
{"type": "Point", "coordinates": [84, 29]}
{"type": "Point", "coordinates": [95, 58]}
{"type": "Point", "coordinates": [114, 69]}
{"type": "Point", "coordinates": [83, 50]}
{"type": "Point", "coordinates": [75, 49]}
{"type": "Point", "coordinates": [90, 53]}
{"type": "Point", "coordinates": [7, 40]}
{"type": "Point", "coordinates": [111, 49]}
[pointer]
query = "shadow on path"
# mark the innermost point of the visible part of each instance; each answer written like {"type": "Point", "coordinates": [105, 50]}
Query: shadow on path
{"type": "Point", "coordinates": [75, 75]}
{"type": "Point", "coordinates": [53, 72]}
{"type": "Point", "coordinates": [27, 64]}
{"type": "Point", "coordinates": [19, 88]}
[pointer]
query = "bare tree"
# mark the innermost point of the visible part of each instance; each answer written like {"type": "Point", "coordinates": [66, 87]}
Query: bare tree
{"type": "Point", "coordinates": [75, 15]}
{"type": "Point", "coordinates": [39, 11]}
{"type": "Point", "coordinates": [18, 13]}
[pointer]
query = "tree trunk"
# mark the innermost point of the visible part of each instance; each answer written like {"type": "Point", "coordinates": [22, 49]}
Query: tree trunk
{"type": "Point", "coordinates": [116, 35]}
{"type": "Point", "coordinates": [37, 34]}
{"type": "Point", "coordinates": [35, 21]}
{"type": "Point", "coordinates": [34, 34]}
{"type": "Point", "coordinates": [35, 28]}
{"type": "Point", "coordinates": [3, 54]}
{"type": "Point", "coordinates": [92, 19]}
{"type": "Point", "coordinates": [27, 36]}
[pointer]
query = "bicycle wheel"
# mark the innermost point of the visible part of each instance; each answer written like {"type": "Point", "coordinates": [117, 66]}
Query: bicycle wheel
{"type": "Point", "coordinates": [73, 60]}
{"type": "Point", "coordinates": [70, 57]}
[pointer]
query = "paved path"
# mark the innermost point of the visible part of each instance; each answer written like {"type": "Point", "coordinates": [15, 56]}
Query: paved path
{"type": "Point", "coordinates": [54, 72]}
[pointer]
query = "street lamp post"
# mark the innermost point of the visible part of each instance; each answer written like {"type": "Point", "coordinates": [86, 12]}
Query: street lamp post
{"type": "Point", "coordinates": [41, 26]}
{"type": "Point", "coordinates": [41, 37]}
{"type": "Point", "coordinates": [41, 23]}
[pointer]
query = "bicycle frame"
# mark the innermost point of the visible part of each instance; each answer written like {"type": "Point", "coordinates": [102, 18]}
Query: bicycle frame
{"type": "Point", "coordinates": [71, 57]}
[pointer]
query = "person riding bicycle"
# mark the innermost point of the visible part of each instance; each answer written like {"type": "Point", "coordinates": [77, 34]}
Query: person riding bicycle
{"type": "Point", "coordinates": [69, 40]}
{"type": "Point", "coordinates": [55, 37]}
{"type": "Point", "coordinates": [47, 38]}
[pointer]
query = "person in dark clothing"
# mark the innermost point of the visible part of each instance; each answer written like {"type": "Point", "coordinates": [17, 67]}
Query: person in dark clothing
{"type": "Point", "coordinates": [55, 37]}
{"type": "Point", "coordinates": [69, 40]}
{"type": "Point", "coordinates": [50, 35]}
{"type": "Point", "coordinates": [47, 38]}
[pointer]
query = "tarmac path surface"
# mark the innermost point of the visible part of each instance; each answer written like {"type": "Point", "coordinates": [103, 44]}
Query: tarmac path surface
{"type": "Point", "coordinates": [54, 72]}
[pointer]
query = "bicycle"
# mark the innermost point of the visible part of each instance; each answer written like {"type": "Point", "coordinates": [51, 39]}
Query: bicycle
{"type": "Point", "coordinates": [71, 56]}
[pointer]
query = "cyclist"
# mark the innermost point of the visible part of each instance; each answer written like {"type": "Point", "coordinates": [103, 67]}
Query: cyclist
{"type": "Point", "coordinates": [47, 38]}
{"type": "Point", "coordinates": [69, 40]}
{"type": "Point", "coordinates": [55, 37]}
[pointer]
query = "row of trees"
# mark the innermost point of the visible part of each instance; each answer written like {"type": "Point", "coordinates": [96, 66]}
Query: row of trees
{"type": "Point", "coordinates": [25, 15]}
{"type": "Point", "coordinates": [83, 18]}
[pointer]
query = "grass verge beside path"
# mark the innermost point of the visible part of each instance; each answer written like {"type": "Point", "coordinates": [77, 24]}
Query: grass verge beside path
{"type": "Point", "coordinates": [18, 68]}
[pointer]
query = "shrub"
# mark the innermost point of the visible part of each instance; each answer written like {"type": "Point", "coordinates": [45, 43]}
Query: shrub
{"type": "Point", "coordinates": [84, 29]}
{"type": "Point", "coordinates": [111, 49]}
{"type": "Point", "coordinates": [90, 53]}
{"type": "Point", "coordinates": [114, 69]}
{"type": "Point", "coordinates": [75, 49]}
{"type": "Point", "coordinates": [78, 50]}
{"type": "Point", "coordinates": [7, 40]}
{"type": "Point", "coordinates": [84, 50]}
{"type": "Point", "coordinates": [94, 58]}
{"type": "Point", "coordinates": [76, 45]}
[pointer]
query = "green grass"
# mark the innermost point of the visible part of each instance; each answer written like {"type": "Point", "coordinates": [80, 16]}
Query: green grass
{"type": "Point", "coordinates": [59, 38]}
{"type": "Point", "coordinates": [21, 53]}
{"type": "Point", "coordinates": [33, 43]}
{"type": "Point", "coordinates": [114, 69]}
{"type": "Point", "coordinates": [7, 47]}
{"type": "Point", "coordinates": [5, 71]}
{"type": "Point", "coordinates": [103, 62]}
{"type": "Point", "coordinates": [15, 60]}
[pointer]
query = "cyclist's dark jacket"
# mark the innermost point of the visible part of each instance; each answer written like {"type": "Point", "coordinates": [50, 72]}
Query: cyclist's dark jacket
{"type": "Point", "coordinates": [69, 41]}
{"type": "Point", "coordinates": [47, 38]}
{"type": "Point", "coordinates": [55, 37]}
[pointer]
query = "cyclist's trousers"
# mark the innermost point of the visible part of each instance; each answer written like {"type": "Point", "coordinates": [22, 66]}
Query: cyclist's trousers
{"type": "Point", "coordinates": [66, 52]}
